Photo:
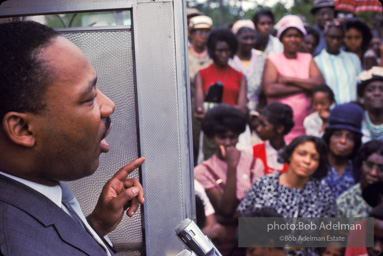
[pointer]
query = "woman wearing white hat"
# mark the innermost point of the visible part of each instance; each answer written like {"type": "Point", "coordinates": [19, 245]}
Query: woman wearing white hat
{"type": "Point", "coordinates": [290, 76]}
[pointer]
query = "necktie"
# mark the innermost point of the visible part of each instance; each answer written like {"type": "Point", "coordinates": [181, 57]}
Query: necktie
{"type": "Point", "coordinates": [71, 204]}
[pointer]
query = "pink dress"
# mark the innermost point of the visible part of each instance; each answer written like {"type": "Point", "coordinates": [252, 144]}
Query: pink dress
{"type": "Point", "coordinates": [300, 103]}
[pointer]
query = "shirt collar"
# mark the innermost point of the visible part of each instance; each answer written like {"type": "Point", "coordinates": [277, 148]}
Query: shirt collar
{"type": "Point", "coordinates": [52, 193]}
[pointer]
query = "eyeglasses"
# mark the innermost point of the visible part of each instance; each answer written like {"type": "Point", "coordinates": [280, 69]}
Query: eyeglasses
{"type": "Point", "coordinates": [370, 166]}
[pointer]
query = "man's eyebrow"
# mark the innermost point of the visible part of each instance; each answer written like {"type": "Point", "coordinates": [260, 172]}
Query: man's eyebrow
{"type": "Point", "coordinates": [91, 85]}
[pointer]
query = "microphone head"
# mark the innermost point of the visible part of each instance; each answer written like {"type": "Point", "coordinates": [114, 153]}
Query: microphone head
{"type": "Point", "coordinates": [182, 225]}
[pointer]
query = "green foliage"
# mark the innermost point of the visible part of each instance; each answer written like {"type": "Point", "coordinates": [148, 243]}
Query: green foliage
{"type": "Point", "coordinates": [302, 8]}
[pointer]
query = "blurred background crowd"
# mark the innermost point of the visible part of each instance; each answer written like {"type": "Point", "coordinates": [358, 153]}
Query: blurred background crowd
{"type": "Point", "coordinates": [287, 117]}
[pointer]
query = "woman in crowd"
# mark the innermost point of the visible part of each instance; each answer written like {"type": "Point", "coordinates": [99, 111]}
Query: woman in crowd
{"type": "Point", "coordinates": [370, 90]}
{"type": "Point", "coordinates": [228, 174]}
{"type": "Point", "coordinates": [343, 138]}
{"type": "Point", "coordinates": [290, 76]}
{"type": "Point", "coordinates": [368, 169]}
{"type": "Point", "coordinates": [373, 53]}
{"type": "Point", "coordinates": [248, 60]}
{"type": "Point", "coordinates": [357, 37]}
{"type": "Point", "coordinates": [221, 46]}
{"type": "Point", "coordinates": [298, 192]}
{"type": "Point", "coordinates": [310, 41]}
{"type": "Point", "coordinates": [264, 21]}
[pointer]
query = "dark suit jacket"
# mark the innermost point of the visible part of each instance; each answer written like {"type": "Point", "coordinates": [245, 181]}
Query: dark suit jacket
{"type": "Point", "coordinates": [31, 224]}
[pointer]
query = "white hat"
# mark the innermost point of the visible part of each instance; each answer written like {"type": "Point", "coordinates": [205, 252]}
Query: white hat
{"type": "Point", "coordinates": [290, 21]}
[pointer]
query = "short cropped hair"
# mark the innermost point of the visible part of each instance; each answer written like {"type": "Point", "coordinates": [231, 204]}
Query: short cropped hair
{"type": "Point", "coordinates": [320, 146]}
{"type": "Point", "coordinates": [24, 77]}
{"type": "Point", "coordinates": [367, 149]}
{"type": "Point", "coordinates": [260, 41]}
{"type": "Point", "coordinates": [325, 89]}
{"type": "Point", "coordinates": [223, 118]}
{"type": "Point", "coordinates": [314, 33]}
{"type": "Point", "coordinates": [279, 114]}
{"type": "Point", "coordinates": [263, 12]}
{"type": "Point", "coordinates": [221, 34]}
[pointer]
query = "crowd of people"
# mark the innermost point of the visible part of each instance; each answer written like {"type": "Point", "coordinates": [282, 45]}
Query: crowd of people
{"type": "Point", "coordinates": [287, 121]}
{"type": "Point", "coordinates": [285, 124]}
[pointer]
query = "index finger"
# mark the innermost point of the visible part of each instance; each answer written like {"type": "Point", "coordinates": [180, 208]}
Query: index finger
{"type": "Point", "coordinates": [123, 173]}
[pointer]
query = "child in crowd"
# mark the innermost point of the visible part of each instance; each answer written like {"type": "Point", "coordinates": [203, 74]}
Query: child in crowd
{"type": "Point", "coordinates": [228, 174]}
{"type": "Point", "coordinates": [274, 122]}
{"type": "Point", "coordinates": [323, 99]}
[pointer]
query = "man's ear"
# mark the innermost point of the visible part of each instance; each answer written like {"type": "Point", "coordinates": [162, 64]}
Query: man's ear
{"type": "Point", "coordinates": [18, 129]}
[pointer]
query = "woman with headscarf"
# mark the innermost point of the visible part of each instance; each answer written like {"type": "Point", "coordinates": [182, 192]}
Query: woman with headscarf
{"type": "Point", "coordinates": [248, 60]}
{"type": "Point", "coordinates": [290, 76]}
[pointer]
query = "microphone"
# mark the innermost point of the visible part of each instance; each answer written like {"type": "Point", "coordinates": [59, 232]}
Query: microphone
{"type": "Point", "coordinates": [186, 252]}
{"type": "Point", "coordinates": [195, 240]}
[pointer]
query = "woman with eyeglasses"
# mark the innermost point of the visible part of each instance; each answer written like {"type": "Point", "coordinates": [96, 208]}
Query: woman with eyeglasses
{"type": "Point", "coordinates": [368, 166]}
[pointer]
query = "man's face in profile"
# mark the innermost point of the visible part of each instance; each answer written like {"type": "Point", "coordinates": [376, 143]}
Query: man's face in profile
{"type": "Point", "coordinates": [71, 131]}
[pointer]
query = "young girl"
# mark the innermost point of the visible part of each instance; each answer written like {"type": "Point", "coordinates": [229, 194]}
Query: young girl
{"type": "Point", "coordinates": [323, 99]}
{"type": "Point", "coordinates": [274, 122]}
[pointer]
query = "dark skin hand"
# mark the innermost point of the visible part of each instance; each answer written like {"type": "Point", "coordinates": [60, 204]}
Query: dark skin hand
{"type": "Point", "coordinates": [118, 195]}
{"type": "Point", "coordinates": [225, 203]}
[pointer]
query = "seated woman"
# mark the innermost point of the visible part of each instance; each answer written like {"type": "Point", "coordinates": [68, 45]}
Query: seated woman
{"type": "Point", "coordinates": [221, 45]}
{"type": "Point", "coordinates": [343, 138]}
{"type": "Point", "coordinates": [228, 174]}
{"type": "Point", "coordinates": [367, 166]}
{"type": "Point", "coordinates": [298, 192]}
{"type": "Point", "coordinates": [290, 76]}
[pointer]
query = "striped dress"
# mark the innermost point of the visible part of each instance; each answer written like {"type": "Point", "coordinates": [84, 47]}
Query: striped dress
{"type": "Point", "coordinates": [340, 73]}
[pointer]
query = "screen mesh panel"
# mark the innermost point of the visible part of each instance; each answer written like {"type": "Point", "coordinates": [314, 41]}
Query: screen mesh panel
{"type": "Point", "coordinates": [110, 53]}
